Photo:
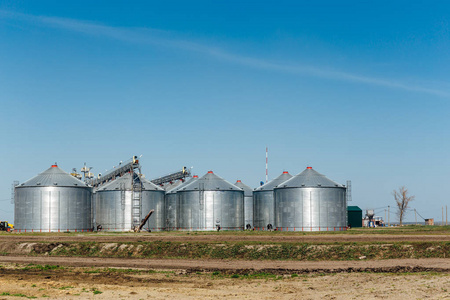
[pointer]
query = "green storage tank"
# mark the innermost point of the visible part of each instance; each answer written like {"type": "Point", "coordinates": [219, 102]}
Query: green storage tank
{"type": "Point", "coordinates": [354, 216]}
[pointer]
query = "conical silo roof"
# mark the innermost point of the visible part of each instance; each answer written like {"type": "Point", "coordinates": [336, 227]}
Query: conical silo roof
{"type": "Point", "coordinates": [248, 191]}
{"type": "Point", "coordinates": [210, 182]}
{"type": "Point", "coordinates": [189, 181]}
{"type": "Point", "coordinates": [117, 184]}
{"type": "Point", "coordinates": [275, 182]}
{"type": "Point", "coordinates": [125, 182]}
{"type": "Point", "coordinates": [309, 178]}
{"type": "Point", "coordinates": [170, 186]}
{"type": "Point", "coordinates": [54, 176]}
{"type": "Point", "coordinates": [150, 186]}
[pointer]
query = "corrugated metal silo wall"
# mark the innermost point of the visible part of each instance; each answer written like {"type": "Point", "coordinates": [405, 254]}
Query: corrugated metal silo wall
{"type": "Point", "coordinates": [263, 209]}
{"type": "Point", "coordinates": [171, 211]}
{"type": "Point", "coordinates": [154, 200]}
{"type": "Point", "coordinates": [205, 210]}
{"type": "Point", "coordinates": [52, 209]}
{"type": "Point", "coordinates": [310, 209]}
{"type": "Point", "coordinates": [113, 210]}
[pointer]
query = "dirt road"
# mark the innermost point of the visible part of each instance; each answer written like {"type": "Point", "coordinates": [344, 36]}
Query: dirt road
{"type": "Point", "coordinates": [242, 266]}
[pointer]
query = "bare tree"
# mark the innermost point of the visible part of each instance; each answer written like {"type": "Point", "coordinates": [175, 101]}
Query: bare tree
{"type": "Point", "coordinates": [402, 199]}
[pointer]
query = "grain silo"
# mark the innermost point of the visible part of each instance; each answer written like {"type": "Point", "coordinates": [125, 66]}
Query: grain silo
{"type": "Point", "coordinates": [210, 203]}
{"type": "Point", "coordinates": [52, 201]}
{"type": "Point", "coordinates": [248, 203]}
{"type": "Point", "coordinates": [171, 204]}
{"type": "Point", "coordinates": [122, 203]}
{"type": "Point", "coordinates": [310, 201]}
{"type": "Point", "coordinates": [153, 198]}
{"type": "Point", "coordinates": [263, 203]}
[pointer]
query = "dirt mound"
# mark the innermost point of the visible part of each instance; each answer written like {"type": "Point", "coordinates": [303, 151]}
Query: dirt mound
{"type": "Point", "coordinates": [45, 248]}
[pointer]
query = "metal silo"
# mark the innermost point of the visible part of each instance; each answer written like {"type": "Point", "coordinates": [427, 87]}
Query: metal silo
{"type": "Point", "coordinates": [52, 201]}
{"type": "Point", "coordinates": [153, 198]}
{"type": "Point", "coordinates": [171, 204]}
{"type": "Point", "coordinates": [310, 201]}
{"type": "Point", "coordinates": [122, 203]}
{"type": "Point", "coordinates": [263, 203]}
{"type": "Point", "coordinates": [113, 205]}
{"type": "Point", "coordinates": [210, 202]}
{"type": "Point", "coordinates": [248, 203]}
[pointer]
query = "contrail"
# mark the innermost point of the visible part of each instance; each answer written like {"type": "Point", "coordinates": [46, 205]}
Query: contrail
{"type": "Point", "coordinates": [169, 39]}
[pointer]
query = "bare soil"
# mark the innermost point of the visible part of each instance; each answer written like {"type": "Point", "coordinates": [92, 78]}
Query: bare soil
{"type": "Point", "coordinates": [134, 278]}
{"type": "Point", "coordinates": [87, 283]}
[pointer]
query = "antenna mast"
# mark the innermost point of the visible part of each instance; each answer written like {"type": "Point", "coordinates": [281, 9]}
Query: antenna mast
{"type": "Point", "coordinates": [267, 170]}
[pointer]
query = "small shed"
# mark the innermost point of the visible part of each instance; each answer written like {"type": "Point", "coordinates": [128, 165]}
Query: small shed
{"type": "Point", "coordinates": [354, 216]}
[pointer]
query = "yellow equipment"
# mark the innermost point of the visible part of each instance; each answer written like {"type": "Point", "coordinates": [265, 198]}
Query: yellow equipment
{"type": "Point", "coordinates": [5, 226]}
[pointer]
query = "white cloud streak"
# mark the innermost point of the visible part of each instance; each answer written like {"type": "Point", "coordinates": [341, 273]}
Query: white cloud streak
{"type": "Point", "coordinates": [162, 38]}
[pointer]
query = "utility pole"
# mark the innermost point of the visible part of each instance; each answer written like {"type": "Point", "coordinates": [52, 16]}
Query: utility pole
{"type": "Point", "coordinates": [389, 216]}
{"type": "Point", "coordinates": [442, 216]}
{"type": "Point", "coordinates": [446, 215]}
{"type": "Point", "coordinates": [415, 215]}
{"type": "Point", "coordinates": [385, 217]}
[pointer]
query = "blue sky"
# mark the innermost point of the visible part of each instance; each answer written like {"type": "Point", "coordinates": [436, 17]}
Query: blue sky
{"type": "Point", "coordinates": [357, 90]}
